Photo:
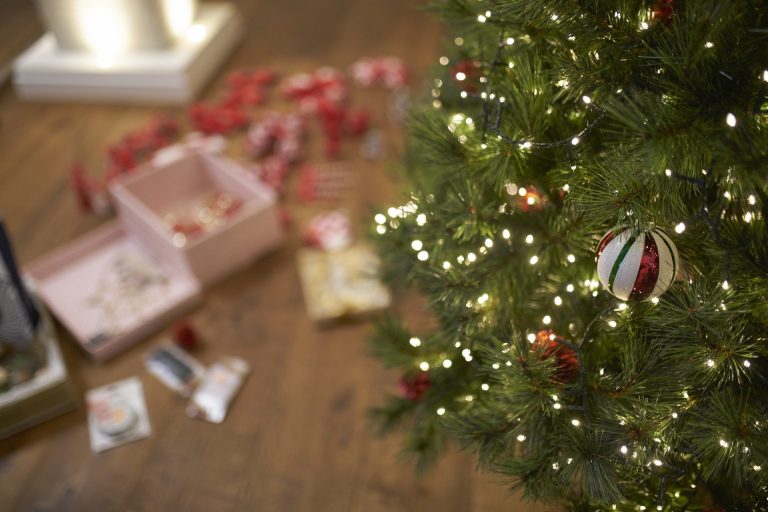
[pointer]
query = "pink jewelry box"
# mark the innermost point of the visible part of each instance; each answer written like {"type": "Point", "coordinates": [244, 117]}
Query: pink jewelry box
{"type": "Point", "coordinates": [146, 195]}
{"type": "Point", "coordinates": [110, 291]}
{"type": "Point", "coordinates": [127, 279]}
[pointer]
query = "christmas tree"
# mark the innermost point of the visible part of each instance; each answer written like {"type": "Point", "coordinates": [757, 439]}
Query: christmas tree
{"type": "Point", "coordinates": [585, 218]}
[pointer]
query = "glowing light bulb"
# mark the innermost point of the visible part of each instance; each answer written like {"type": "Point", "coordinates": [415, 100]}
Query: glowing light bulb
{"type": "Point", "coordinates": [657, 462]}
{"type": "Point", "coordinates": [415, 342]}
{"type": "Point", "coordinates": [531, 337]}
{"type": "Point", "coordinates": [534, 260]}
{"type": "Point", "coordinates": [730, 120]}
{"type": "Point", "coordinates": [623, 450]}
{"type": "Point", "coordinates": [416, 245]}
{"type": "Point", "coordinates": [575, 141]}
{"type": "Point", "coordinates": [529, 239]}
{"type": "Point", "coordinates": [547, 320]}
{"type": "Point", "coordinates": [726, 285]}
{"type": "Point", "coordinates": [447, 363]}
{"type": "Point", "coordinates": [571, 258]}
{"type": "Point", "coordinates": [668, 172]}
{"type": "Point", "coordinates": [521, 438]}
{"type": "Point", "coordinates": [709, 44]}
{"type": "Point", "coordinates": [440, 411]}
{"type": "Point", "coordinates": [446, 265]}
{"type": "Point", "coordinates": [421, 219]}
{"type": "Point", "coordinates": [471, 257]}
{"type": "Point", "coordinates": [488, 243]}
{"type": "Point", "coordinates": [423, 256]}
{"type": "Point", "coordinates": [586, 99]}
{"type": "Point", "coordinates": [575, 422]}
{"type": "Point", "coordinates": [511, 40]}
{"type": "Point", "coordinates": [381, 229]}
{"type": "Point", "coordinates": [569, 288]}
{"type": "Point", "coordinates": [746, 363]}
{"type": "Point", "coordinates": [481, 18]}
{"type": "Point", "coordinates": [710, 363]}
{"type": "Point", "coordinates": [380, 218]}
{"type": "Point", "coordinates": [443, 60]}
{"type": "Point", "coordinates": [558, 301]}
{"type": "Point", "coordinates": [506, 234]}
{"type": "Point", "coordinates": [424, 366]}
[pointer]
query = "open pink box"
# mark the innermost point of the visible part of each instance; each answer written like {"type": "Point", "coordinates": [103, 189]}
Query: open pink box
{"type": "Point", "coordinates": [127, 279]}
{"type": "Point", "coordinates": [110, 291]}
{"type": "Point", "coordinates": [145, 196]}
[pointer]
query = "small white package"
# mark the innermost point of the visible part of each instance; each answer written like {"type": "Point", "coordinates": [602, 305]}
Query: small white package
{"type": "Point", "coordinates": [220, 385]}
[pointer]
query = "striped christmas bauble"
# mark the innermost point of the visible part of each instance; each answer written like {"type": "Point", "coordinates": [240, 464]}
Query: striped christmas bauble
{"type": "Point", "coordinates": [637, 267]}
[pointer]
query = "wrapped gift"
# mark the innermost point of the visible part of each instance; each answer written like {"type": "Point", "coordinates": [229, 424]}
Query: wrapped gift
{"type": "Point", "coordinates": [341, 283]}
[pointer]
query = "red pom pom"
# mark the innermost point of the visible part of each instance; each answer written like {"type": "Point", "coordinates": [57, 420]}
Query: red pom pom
{"type": "Point", "coordinates": [185, 336]}
{"type": "Point", "coordinates": [414, 385]}
{"type": "Point", "coordinates": [565, 358]}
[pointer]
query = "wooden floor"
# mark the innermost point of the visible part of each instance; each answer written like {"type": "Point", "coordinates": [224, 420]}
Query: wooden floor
{"type": "Point", "coordinates": [297, 438]}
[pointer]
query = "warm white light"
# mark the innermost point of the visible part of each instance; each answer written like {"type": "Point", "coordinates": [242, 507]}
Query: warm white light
{"type": "Point", "coordinates": [575, 422]}
{"type": "Point", "coordinates": [179, 15]}
{"type": "Point", "coordinates": [655, 300]}
{"type": "Point", "coordinates": [586, 99]}
{"type": "Point", "coordinates": [446, 265]}
{"type": "Point", "coordinates": [612, 323]}
{"type": "Point", "coordinates": [656, 462]}
{"type": "Point", "coordinates": [416, 245]}
{"type": "Point", "coordinates": [668, 172]}
{"type": "Point", "coordinates": [421, 219]}
{"type": "Point", "coordinates": [481, 18]}
{"type": "Point", "coordinates": [415, 342]}
{"type": "Point", "coordinates": [534, 260]}
{"type": "Point", "coordinates": [440, 411]}
{"type": "Point", "coordinates": [547, 320]}
{"type": "Point", "coordinates": [471, 257]}
{"type": "Point", "coordinates": [521, 438]}
{"type": "Point", "coordinates": [746, 363]}
{"type": "Point", "coordinates": [459, 41]}
{"type": "Point", "coordinates": [423, 255]}
{"type": "Point", "coordinates": [196, 33]}
{"type": "Point", "coordinates": [724, 443]}
{"type": "Point", "coordinates": [575, 141]}
{"type": "Point", "coordinates": [726, 285]}
{"type": "Point", "coordinates": [643, 25]}
{"type": "Point", "coordinates": [485, 387]}
{"type": "Point", "coordinates": [443, 60]}
{"type": "Point", "coordinates": [730, 120]}
{"type": "Point", "coordinates": [709, 44]}
{"type": "Point", "coordinates": [424, 366]}
{"type": "Point", "coordinates": [569, 288]}
{"type": "Point", "coordinates": [488, 243]}
{"type": "Point", "coordinates": [531, 337]}
{"type": "Point", "coordinates": [447, 363]}
{"type": "Point", "coordinates": [680, 227]}
{"type": "Point", "coordinates": [511, 40]}
{"type": "Point", "coordinates": [558, 301]}
{"type": "Point", "coordinates": [710, 363]}
{"type": "Point", "coordinates": [624, 450]}
{"type": "Point", "coordinates": [381, 229]}
{"type": "Point", "coordinates": [380, 218]}
{"type": "Point", "coordinates": [506, 234]}
{"type": "Point", "coordinates": [751, 199]}
{"type": "Point", "coordinates": [529, 239]}
{"type": "Point", "coordinates": [571, 258]}
{"type": "Point", "coordinates": [463, 94]}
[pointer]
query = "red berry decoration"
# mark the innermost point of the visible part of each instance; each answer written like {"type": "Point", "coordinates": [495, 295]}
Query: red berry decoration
{"type": "Point", "coordinates": [466, 75]}
{"type": "Point", "coordinates": [185, 336]}
{"type": "Point", "coordinates": [414, 385]}
{"type": "Point", "coordinates": [564, 357]}
{"type": "Point", "coordinates": [663, 10]}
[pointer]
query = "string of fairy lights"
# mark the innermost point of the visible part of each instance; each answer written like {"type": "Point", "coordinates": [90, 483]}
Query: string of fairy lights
{"type": "Point", "coordinates": [660, 453]}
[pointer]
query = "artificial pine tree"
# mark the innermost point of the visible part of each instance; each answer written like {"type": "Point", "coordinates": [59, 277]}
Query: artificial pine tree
{"type": "Point", "coordinates": [560, 131]}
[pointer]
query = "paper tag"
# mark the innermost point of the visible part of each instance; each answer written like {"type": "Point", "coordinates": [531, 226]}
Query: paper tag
{"type": "Point", "coordinates": [117, 414]}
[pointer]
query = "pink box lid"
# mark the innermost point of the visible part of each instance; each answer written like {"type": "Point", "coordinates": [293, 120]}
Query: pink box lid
{"type": "Point", "coordinates": [110, 291]}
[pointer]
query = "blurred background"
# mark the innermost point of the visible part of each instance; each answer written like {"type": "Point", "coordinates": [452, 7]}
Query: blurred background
{"type": "Point", "coordinates": [297, 435]}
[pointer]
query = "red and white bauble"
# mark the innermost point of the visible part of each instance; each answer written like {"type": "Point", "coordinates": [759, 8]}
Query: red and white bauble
{"type": "Point", "coordinates": [637, 267]}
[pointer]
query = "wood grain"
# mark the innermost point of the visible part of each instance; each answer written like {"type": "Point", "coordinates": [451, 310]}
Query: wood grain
{"type": "Point", "coordinates": [297, 438]}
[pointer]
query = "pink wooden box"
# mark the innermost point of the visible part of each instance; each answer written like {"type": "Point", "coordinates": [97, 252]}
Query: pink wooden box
{"type": "Point", "coordinates": [110, 290]}
{"type": "Point", "coordinates": [145, 196]}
